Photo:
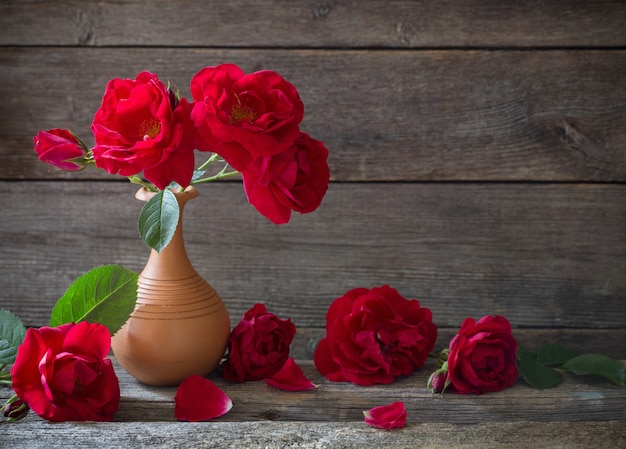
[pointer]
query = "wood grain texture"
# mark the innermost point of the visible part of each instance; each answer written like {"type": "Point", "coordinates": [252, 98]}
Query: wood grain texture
{"type": "Point", "coordinates": [285, 435]}
{"type": "Point", "coordinates": [478, 159]}
{"type": "Point", "coordinates": [544, 255]}
{"type": "Point", "coordinates": [579, 413]}
{"type": "Point", "coordinates": [314, 23]}
{"type": "Point", "coordinates": [384, 115]}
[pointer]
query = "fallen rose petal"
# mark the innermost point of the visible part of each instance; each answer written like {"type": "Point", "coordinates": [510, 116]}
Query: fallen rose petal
{"type": "Point", "coordinates": [199, 399]}
{"type": "Point", "coordinates": [386, 416]}
{"type": "Point", "coordinates": [291, 378]}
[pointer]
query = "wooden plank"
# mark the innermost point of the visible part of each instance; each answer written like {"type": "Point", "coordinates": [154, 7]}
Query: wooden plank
{"type": "Point", "coordinates": [384, 115]}
{"type": "Point", "coordinates": [274, 435]}
{"type": "Point", "coordinates": [580, 412]}
{"type": "Point", "coordinates": [544, 255]}
{"type": "Point", "coordinates": [570, 401]}
{"type": "Point", "coordinates": [253, 401]}
{"type": "Point", "coordinates": [343, 23]}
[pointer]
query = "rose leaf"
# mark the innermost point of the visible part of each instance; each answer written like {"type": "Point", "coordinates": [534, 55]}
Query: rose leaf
{"type": "Point", "coordinates": [199, 399]}
{"type": "Point", "coordinates": [12, 333]}
{"type": "Point", "coordinates": [158, 220]}
{"type": "Point", "coordinates": [290, 378]}
{"type": "Point", "coordinates": [197, 174]}
{"type": "Point", "coordinates": [104, 295]}
{"type": "Point", "coordinates": [534, 374]}
{"type": "Point", "coordinates": [599, 365]}
{"type": "Point", "coordinates": [555, 355]}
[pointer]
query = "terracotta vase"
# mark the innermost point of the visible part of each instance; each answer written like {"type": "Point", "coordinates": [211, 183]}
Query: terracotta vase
{"type": "Point", "coordinates": [180, 326]}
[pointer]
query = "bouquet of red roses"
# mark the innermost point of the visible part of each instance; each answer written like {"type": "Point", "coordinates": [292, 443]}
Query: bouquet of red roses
{"type": "Point", "coordinates": [250, 123]}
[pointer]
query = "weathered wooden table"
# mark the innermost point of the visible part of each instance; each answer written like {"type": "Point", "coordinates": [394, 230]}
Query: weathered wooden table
{"type": "Point", "coordinates": [582, 412]}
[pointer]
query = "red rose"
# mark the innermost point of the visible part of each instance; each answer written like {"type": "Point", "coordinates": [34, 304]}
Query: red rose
{"type": "Point", "coordinates": [242, 117]}
{"type": "Point", "coordinates": [373, 336]}
{"type": "Point", "coordinates": [58, 147]}
{"type": "Point", "coordinates": [482, 356]}
{"type": "Point", "coordinates": [258, 346]}
{"type": "Point", "coordinates": [295, 179]}
{"type": "Point", "coordinates": [141, 127]}
{"type": "Point", "coordinates": [63, 373]}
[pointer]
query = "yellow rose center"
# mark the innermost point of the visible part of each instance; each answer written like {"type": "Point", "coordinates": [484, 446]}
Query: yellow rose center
{"type": "Point", "coordinates": [241, 112]}
{"type": "Point", "coordinates": [150, 129]}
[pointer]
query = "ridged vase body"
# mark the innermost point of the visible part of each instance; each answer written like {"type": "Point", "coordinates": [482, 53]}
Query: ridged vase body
{"type": "Point", "coordinates": [180, 326]}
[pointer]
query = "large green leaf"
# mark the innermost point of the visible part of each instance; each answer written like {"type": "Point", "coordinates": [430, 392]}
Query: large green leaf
{"type": "Point", "coordinates": [555, 355]}
{"type": "Point", "coordinates": [536, 375]}
{"type": "Point", "coordinates": [12, 333]}
{"type": "Point", "coordinates": [599, 365]}
{"type": "Point", "coordinates": [158, 220]}
{"type": "Point", "coordinates": [104, 295]}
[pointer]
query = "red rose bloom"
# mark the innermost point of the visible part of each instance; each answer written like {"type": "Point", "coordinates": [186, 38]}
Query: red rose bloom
{"type": "Point", "coordinates": [242, 117]}
{"type": "Point", "coordinates": [141, 127]}
{"type": "Point", "coordinates": [58, 147]}
{"type": "Point", "coordinates": [258, 346]}
{"type": "Point", "coordinates": [482, 356]}
{"type": "Point", "coordinates": [295, 179]}
{"type": "Point", "coordinates": [373, 336]}
{"type": "Point", "coordinates": [63, 373]}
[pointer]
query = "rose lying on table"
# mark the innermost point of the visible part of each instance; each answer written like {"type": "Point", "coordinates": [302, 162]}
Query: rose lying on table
{"type": "Point", "coordinates": [258, 346]}
{"type": "Point", "coordinates": [373, 336]}
{"type": "Point", "coordinates": [480, 359]}
{"type": "Point", "coordinates": [63, 373]}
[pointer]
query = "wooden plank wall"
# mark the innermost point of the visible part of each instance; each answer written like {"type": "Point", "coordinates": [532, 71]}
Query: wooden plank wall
{"type": "Point", "coordinates": [477, 152]}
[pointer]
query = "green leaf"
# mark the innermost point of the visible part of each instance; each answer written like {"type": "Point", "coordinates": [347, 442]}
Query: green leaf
{"type": "Point", "coordinates": [534, 374]}
{"type": "Point", "coordinates": [158, 220]}
{"type": "Point", "coordinates": [197, 174]}
{"type": "Point", "coordinates": [12, 333]}
{"type": "Point", "coordinates": [104, 295]}
{"type": "Point", "coordinates": [598, 365]}
{"type": "Point", "coordinates": [555, 355]}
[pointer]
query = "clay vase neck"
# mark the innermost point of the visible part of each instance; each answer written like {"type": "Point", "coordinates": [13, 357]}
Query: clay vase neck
{"type": "Point", "coordinates": [172, 262]}
{"type": "Point", "coordinates": [180, 325]}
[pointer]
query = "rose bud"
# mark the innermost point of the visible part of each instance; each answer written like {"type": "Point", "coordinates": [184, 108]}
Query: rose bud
{"type": "Point", "coordinates": [60, 148]}
{"type": "Point", "coordinates": [15, 409]}
{"type": "Point", "coordinates": [438, 381]}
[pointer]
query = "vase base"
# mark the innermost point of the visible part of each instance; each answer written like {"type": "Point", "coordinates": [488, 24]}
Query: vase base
{"type": "Point", "coordinates": [164, 352]}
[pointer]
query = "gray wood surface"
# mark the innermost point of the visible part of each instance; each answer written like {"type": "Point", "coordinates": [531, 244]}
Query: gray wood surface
{"type": "Point", "coordinates": [284, 435]}
{"type": "Point", "coordinates": [312, 23]}
{"type": "Point", "coordinates": [579, 413]}
{"type": "Point", "coordinates": [544, 255]}
{"type": "Point", "coordinates": [384, 115]}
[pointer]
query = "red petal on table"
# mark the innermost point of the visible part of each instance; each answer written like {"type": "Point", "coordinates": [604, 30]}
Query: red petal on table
{"type": "Point", "coordinates": [199, 399]}
{"type": "Point", "coordinates": [291, 378]}
{"type": "Point", "coordinates": [386, 416]}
